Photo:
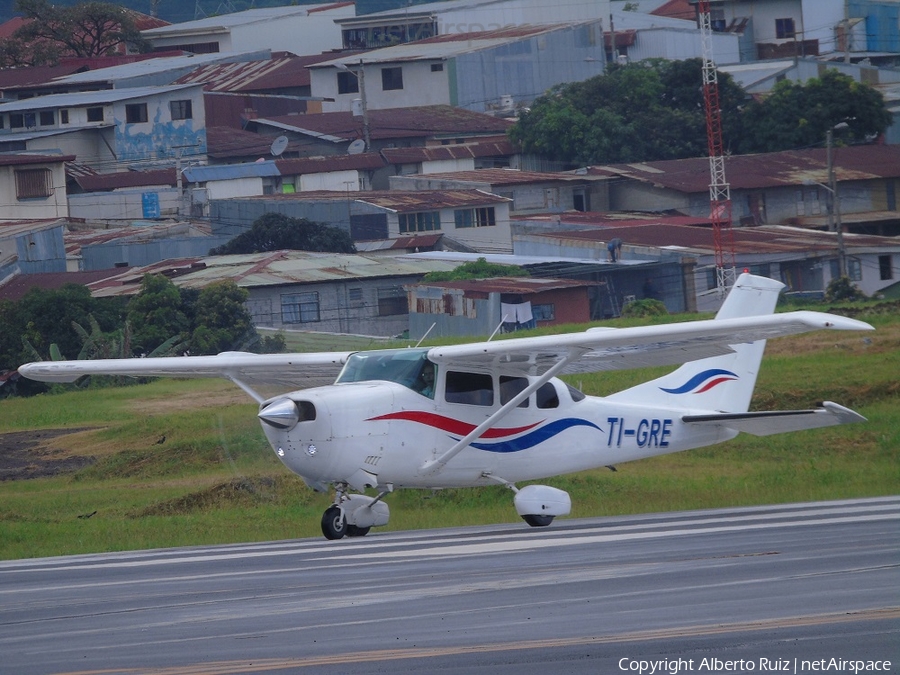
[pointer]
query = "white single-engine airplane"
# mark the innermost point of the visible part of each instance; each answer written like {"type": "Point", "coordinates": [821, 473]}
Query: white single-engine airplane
{"type": "Point", "coordinates": [494, 412]}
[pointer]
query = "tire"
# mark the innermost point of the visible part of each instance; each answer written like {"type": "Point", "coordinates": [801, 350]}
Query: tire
{"type": "Point", "coordinates": [354, 531]}
{"type": "Point", "coordinates": [333, 524]}
{"type": "Point", "coordinates": [538, 521]}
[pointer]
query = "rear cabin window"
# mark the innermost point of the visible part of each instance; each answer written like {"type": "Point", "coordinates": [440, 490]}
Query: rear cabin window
{"type": "Point", "coordinates": [510, 387]}
{"type": "Point", "coordinates": [469, 388]}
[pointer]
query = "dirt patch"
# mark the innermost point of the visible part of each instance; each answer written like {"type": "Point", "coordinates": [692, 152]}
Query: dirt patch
{"type": "Point", "coordinates": [31, 454]}
{"type": "Point", "coordinates": [238, 491]}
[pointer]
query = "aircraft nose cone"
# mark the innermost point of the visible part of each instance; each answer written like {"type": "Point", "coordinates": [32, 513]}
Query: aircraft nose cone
{"type": "Point", "coordinates": [282, 414]}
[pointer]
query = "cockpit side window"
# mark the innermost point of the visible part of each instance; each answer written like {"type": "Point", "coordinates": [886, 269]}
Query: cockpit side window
{"type": "Point", "coordinates": [547, 397]}
{"type": "Point", "coordinates": [469, 388]}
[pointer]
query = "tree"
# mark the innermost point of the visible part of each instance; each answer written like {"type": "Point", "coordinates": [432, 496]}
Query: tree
{"type": "Point", "coordinates": [86, 29]}
{"type": "Point", "coordinates": [799, 115]}
{"type": "Point", "coordinates": [276, 232]}
{"type": "Point", "coordinates": [479, 269]}
{"type": "Point", "coordinates": [156, 314]}
{"type": "Point", "coordinates": [644, 111]}
{"type": "Point", "coordinates": [222, 321]}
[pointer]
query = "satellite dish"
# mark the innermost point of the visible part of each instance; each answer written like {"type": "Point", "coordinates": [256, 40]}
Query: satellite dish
{"type": "Point", "coordinates": [356, 147]}
{"type": "Point", "coordinates": [279, 145]}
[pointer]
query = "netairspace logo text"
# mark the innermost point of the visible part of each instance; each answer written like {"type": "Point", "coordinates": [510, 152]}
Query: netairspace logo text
{"type": "Point", "coordinates": [761, 665]}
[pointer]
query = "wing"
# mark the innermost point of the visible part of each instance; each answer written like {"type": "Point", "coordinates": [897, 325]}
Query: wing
{"type": "Point", "coordinates": [776, 422]}
{"type": "Point", "coordinates": [291, 371]}
{"type": "Point", "coordinates": [625, 348]}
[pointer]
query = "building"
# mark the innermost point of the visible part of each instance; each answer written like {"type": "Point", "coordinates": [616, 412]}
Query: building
{"type": "Point", "coordinates": [494, 70]}
{"type": "Point", "coordinates": [479, 307]}
{"type": "Point", "coordinates": [31, 247]}
{"type": "Point", "coordinates": [374, 30]}
{"type": "Point", "coordinates": [789, 187]}
{"type": "Point", "coordinates": [33, 186]}
{"type": "Point", "coordinates": [111, 129]}
{"type": "Point", "coordinates": [299, 290]}
{"type": "Point", "coordinates": [474, 219]}
{"type": "Point", "coordinates": [300, 29]}
{"type": "Point", "coordinates": [530, 191]}
{"type": "Point", "coordinates": [806, 261]}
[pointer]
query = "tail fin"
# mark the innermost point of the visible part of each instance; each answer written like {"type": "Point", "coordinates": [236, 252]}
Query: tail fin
{"type": "Point", "coordinates": [722, 383]}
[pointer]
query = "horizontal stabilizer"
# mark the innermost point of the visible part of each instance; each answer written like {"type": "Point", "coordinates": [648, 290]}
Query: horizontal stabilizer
{"type": "Point", "coordinates": [779, 421]}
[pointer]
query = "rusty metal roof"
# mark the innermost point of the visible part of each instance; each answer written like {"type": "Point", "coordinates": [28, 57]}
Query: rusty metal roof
{"type": "Point", "coordinates": [774, 169]}
{"type": "Point", "coordinates": [281, 71]}
{"type": "Point", "coordinates": [481, 148]}
{"type": "Point", "coordinates": [398, 201]}
{"type": "Point", "coordinates": [506, 177]}
{"type": "Point", "coordinates": [363, 161]}
{"type": "Point", "coordinates": [276, 268]}
{"type": "Point", "coordinates": [761, 239]}
{"type": "Point", "coordinates": [124, 179]}
{"type": "Point", "coordinates": [35, 158]}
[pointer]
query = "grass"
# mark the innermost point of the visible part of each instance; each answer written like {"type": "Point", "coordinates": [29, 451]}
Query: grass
{"type": "Point", "coordinates": [184, 462]}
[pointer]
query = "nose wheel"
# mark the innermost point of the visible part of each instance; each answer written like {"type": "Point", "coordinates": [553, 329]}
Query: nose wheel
{"type": "Point", "coordinates": [334, 526]}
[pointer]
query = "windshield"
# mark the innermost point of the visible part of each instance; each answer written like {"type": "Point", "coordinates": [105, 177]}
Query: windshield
{"type": "Point", "coordinates": [403, 366]}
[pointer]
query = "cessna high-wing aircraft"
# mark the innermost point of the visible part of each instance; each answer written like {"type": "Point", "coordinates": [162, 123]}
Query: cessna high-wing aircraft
{"type": "Point", "coordinates": [489, 413]}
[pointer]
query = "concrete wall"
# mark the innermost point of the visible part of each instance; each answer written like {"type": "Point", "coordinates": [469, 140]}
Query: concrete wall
{"type": "Point", "coordinates": [53, 206]}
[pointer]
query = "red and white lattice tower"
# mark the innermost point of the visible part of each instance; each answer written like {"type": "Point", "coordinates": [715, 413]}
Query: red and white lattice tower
{"type": "Point", "coordinates": [719, 189]}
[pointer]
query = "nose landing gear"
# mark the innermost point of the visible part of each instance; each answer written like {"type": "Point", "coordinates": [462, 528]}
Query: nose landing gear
{"type": "Point", "coordinates": [354, 515]}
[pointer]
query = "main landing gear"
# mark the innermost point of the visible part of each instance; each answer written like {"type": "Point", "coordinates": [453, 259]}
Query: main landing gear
{"type": "Point", "coordinates": [354, 515]}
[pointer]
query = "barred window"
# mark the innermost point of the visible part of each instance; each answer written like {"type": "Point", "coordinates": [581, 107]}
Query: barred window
{"type": "Point", "coordinates": [135, 113]}
{"type": "Point", "coordinates": [424, 221]}
{"type": "Point", "coordinates": [300, 307]}
{"type": "Point", "coordinates": [34, 183]}
{"type": "Point", "coordinates": [181, 110]}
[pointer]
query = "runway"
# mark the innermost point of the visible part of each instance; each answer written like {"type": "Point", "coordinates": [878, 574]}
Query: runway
{"type": "Point", "coordinates": [776, 588]}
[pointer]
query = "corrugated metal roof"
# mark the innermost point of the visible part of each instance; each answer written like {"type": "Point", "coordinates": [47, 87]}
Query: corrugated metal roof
{"type": "Point", "coordinates": [447, 46]}
{"type": "Point", "coordinates": [203, 174]}
{"type": "Point", "coordinates": [270, 269]}
{"type": "Point", "coordinates": [398, 201]}
{"type": "Point", "coordinates": [282, 70]}
{"type": "Point", "coordinates": [124, 179]}
{"type": "Point", "coordinates": [16, 288]}
{"type": "Point", "coordinates": [246, 17]}
{"type": "Point", "coordinates": [761, 239]}
{"type": "Point", "coordinates": [159, 65]}
{"type": "Point", "coordinates": [774, 169]}
{"type": "Point", "coordinates": [361, 162]}
{"type": "Point", "coordinates": [505, 177]}
{"type": "Point", "coordinates": [482, 148]}
{"type": "Point", "coordinates": [16, 228]}
{"type": "Point", "coordinates": [419, 121]}
{"type": "Point", "coordinates": [19, 160]}
{"type": "Point", "coordinates": [85, 98]}
{"type": "Point", "coordinates": [517, 285]}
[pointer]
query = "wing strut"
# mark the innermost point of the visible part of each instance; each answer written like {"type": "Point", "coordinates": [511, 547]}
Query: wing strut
{"type": "Point", "coordinates": [438, 463]}
{"type": "Point", "coordinates": [247, 389]}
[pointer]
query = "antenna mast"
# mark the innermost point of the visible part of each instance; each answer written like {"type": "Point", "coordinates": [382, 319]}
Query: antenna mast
{"type": "Point", "coordinates": [719, 189]}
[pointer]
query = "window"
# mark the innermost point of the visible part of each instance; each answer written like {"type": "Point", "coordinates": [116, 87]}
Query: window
{"type": "Point", "coordinates": [469, 388]}
{"type": "Point", "coordinates": [483, 217]}
{"type": "Point", "coordinates": [355, 297]}
{"type": "Point", "coordinates": [63, 116]}
{"type": "Point", "coordinates": [854, 269]}
{"type": "Point", "coordinates": [547, 396]}
{"type": "Point", "coordinates": [437, 67]}
{"type": "Point", "coordinates": [784, 29]}
{"type": "Point", "coordinates": [424, 221]}
{"type": "Point", "coordinates": [392, 301]}
{"type": "Point", "coordinates": [47, 118]}
{"type": "Point", "coordinates": [391, 78]}
{"type": "Point", "coordinates": [347, 83]}
{"type": "Point", "coordinates": [299, 307]}
{"type": "Point", "coordinates": [16, 120]}
{"type": "Point", "coordinates": [885, 268]}
{"type": "Point", "coordinates": [34, 183]}
{"type": "Point", "coordinates": [543, 312]}
{"type": "Point", "coordinates": [181, 110]}
{"type": "Point", "coordinates": [135, 113]}
{"type": "Point", "coordinates": [95, 114]}
{"type": "Point", "coordinates": [510, 387]}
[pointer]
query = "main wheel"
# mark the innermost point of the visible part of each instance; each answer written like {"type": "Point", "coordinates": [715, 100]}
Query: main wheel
{"type": "Point", "coordinates": [538, 521]}
{"type": "Point", "coordinates": [354, 531]}
{"type": "Point", "coordinates": [333, 524]}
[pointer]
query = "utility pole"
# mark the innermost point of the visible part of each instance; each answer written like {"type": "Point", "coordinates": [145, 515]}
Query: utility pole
{"type": "Point", "coordinates": [364, 104]}
{"type": "Point", "coordinates": [834, 203]}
